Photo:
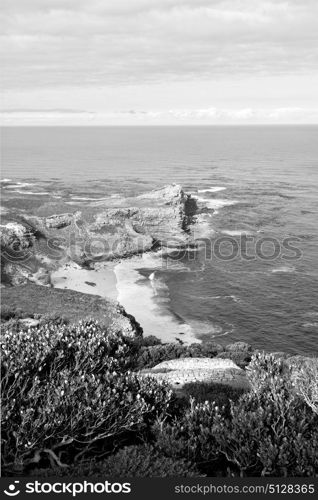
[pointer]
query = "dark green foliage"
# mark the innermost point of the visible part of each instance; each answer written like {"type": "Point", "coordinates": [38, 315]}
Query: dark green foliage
{"type": "Point", "coordinates": [67, 390]}
{"type": "Point", "coordinates": [191, 436]}
{"type": "Point", "coordinates": [150, 340]}
{"type": "Point", "coordinates": [7, 312]}
{"type": "Point", "coordinates": [219, 393]}
{"type": "Point", "coordinates": [152, 355]}
{"type": "Point", "coordinates": [131, 461]}
{"type": "Point", "coordinates": [240, 358]}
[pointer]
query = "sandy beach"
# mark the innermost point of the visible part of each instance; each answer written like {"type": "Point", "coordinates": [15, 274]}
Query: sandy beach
{"type": "Point", "coordinates": [101, 281]}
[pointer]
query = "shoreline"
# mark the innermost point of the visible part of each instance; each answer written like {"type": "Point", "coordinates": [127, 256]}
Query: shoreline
{"type": "Point", "coordinates": [140, 296]}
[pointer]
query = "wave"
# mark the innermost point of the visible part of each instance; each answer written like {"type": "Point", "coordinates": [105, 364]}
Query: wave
{"type": "Point", "coordinates": [33, 193]}
{"type": "Point", "coordinates": [310, 325]}
{"type": "Point", "coordinates": [214, 189]}
{"type": "Point", "coordinates": [284, 269]}
{"type": "Point", "coordinates": [311, 313]}
{"type": "Point", "coordinates": [17, 185]}
{"type": "Point", "coordinates": [235, 232]}
{"type": "Point", "coordinates": [86, 198]}
{"type": "Point", "coordinates": [216, 203]}
{"type": "Point", "coordinates": [5, 181]}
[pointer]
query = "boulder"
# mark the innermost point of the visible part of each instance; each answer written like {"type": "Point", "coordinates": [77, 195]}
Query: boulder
{"type": "Point", "coordinates": [172, 193]}
{"type": "Point", "coordinates": [61, 220]}
{"type": "Point", "coordinates": [15, 237]}
{"type": "Point", "coordinates": [181, 371]}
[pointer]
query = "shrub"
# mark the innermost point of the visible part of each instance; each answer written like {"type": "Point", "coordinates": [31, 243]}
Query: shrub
{"type": "Point", "coordinates": [219, 393]}
{"type": "Point", "coordinates": [306, 382]}
{"type": "Point", "coordinates": [152, 355]}
{"type": "Point", "coordinates": [66, 392]}
{"type": "Point", "coordinates": [190, 437]}
{"type": "Point", "coordinates": [240, 358]}
{"type": "Point", "coordinates": [85, 344]}
{"type": "Point", "coordinates": [7, 312]}
{"type": "Point", "coordinates": [270, 430]}
{"type": "Point", "coordinates": [131, 461]}
{"type": "Point", "coordinates": [11, 312]}
{"type": "Point", "coordinates": [150, 340]}
{"type": "Point", "coordinates": [266, 431]}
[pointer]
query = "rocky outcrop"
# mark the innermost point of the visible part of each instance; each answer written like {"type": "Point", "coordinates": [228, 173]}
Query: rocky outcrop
{"type": "Point", "coordinates": [100, 231]}
{"type": "Point", "coordinates": [164, 214]}
{"type": "Point", "coordinates": [178, 372]}
{"type": "Point", "coordinates": [15, 237]}
{"type": "Point", "coordinates": [62, 220]}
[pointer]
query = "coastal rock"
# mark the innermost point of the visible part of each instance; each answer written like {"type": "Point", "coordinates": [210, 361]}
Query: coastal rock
{"type": "Point", "coordinates": [61, 220]}
{"type": "Point", "coordinates": [171, 193]}
{"type": "Point", "coordinates": [100, 232]}
{"type": "Point", "coordinates": [41, 277]}
{"type": "Point", "coordinates": [14, 274]}
{"type": "Point", "coordinates": [181, 371]}
{"type": "Point", "coordinates": [15, 237]}
{"type": "Point", "coordinates": [166, 220]}
{"type": "Point", "coordinates": [29, 322]}
{"type": "Point", "coordinates": [239, 346]}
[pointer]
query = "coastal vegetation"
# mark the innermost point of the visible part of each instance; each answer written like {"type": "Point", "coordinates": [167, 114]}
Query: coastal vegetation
{"type": "Point", "coordinates": [74, 402]}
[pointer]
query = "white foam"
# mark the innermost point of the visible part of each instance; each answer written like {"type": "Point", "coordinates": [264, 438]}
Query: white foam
{"type": "Point", "coordinates": [214, 189]}
{"type": "Point", "coordinates": [4, 181]}
{"type": "Point", "coordinates": [310, 325]}
{"type": "Point", "coordinates": [216, 203]}
{"type": "Point", "coordinates": [86, 198]}
{"type": "Point", "coordinates": [33, 193]}
{"type": "Point", "coordinates": [284, 269]}
{"type": "Point", "coordinates": [19, 185]}
{"type": "Point", "coordinates": [235, 232]}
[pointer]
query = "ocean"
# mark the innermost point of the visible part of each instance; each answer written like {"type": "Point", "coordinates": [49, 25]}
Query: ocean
{"type": "Point", "coordinates": [254, 277]}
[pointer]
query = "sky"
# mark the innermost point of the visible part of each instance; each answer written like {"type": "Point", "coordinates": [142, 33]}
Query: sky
{"type": "Point", "coordinates": [159, 62]}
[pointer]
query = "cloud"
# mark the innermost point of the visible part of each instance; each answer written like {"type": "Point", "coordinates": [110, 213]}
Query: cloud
{"type": "Point", "coordinates": [209, 115]}
{"type": "Point", "coordinates": [106, 42]}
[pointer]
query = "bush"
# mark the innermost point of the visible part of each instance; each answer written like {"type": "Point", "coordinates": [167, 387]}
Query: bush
{"type": "Point", "coordinates": [131, 461]}
{"type": "Point", "coordinates": [190, 437]}
{"type": "Point", "coordinates": [31, 351]}
{"type": "Point", "coordinates": [240, 358]}
{"type": "Point", "coordinates": [270, 430]}
{"type": "Point", "coordinates": [219, 393]}
{"type": "Point", "coordinates": [66, 392]}
{"type": "Point", "coordinates": [267, 431]}
{"type": "Point", "coordinates": [8, 312]}
{"type": "Point", "coordinates": [306, 382]}
{"type": "Point", "coordinates": [150, 340]}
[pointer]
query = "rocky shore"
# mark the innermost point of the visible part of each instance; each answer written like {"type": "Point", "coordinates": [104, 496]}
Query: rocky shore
{"type": "Point", "coordinates": [34, 245]}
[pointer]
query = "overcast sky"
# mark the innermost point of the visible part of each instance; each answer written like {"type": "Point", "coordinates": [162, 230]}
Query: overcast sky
{"type": "Point", "coordinates": [159, 61]}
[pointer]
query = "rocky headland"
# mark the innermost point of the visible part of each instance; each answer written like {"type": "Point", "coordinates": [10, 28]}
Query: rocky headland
{"type": "Point", "coordinates": [33, 245]}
